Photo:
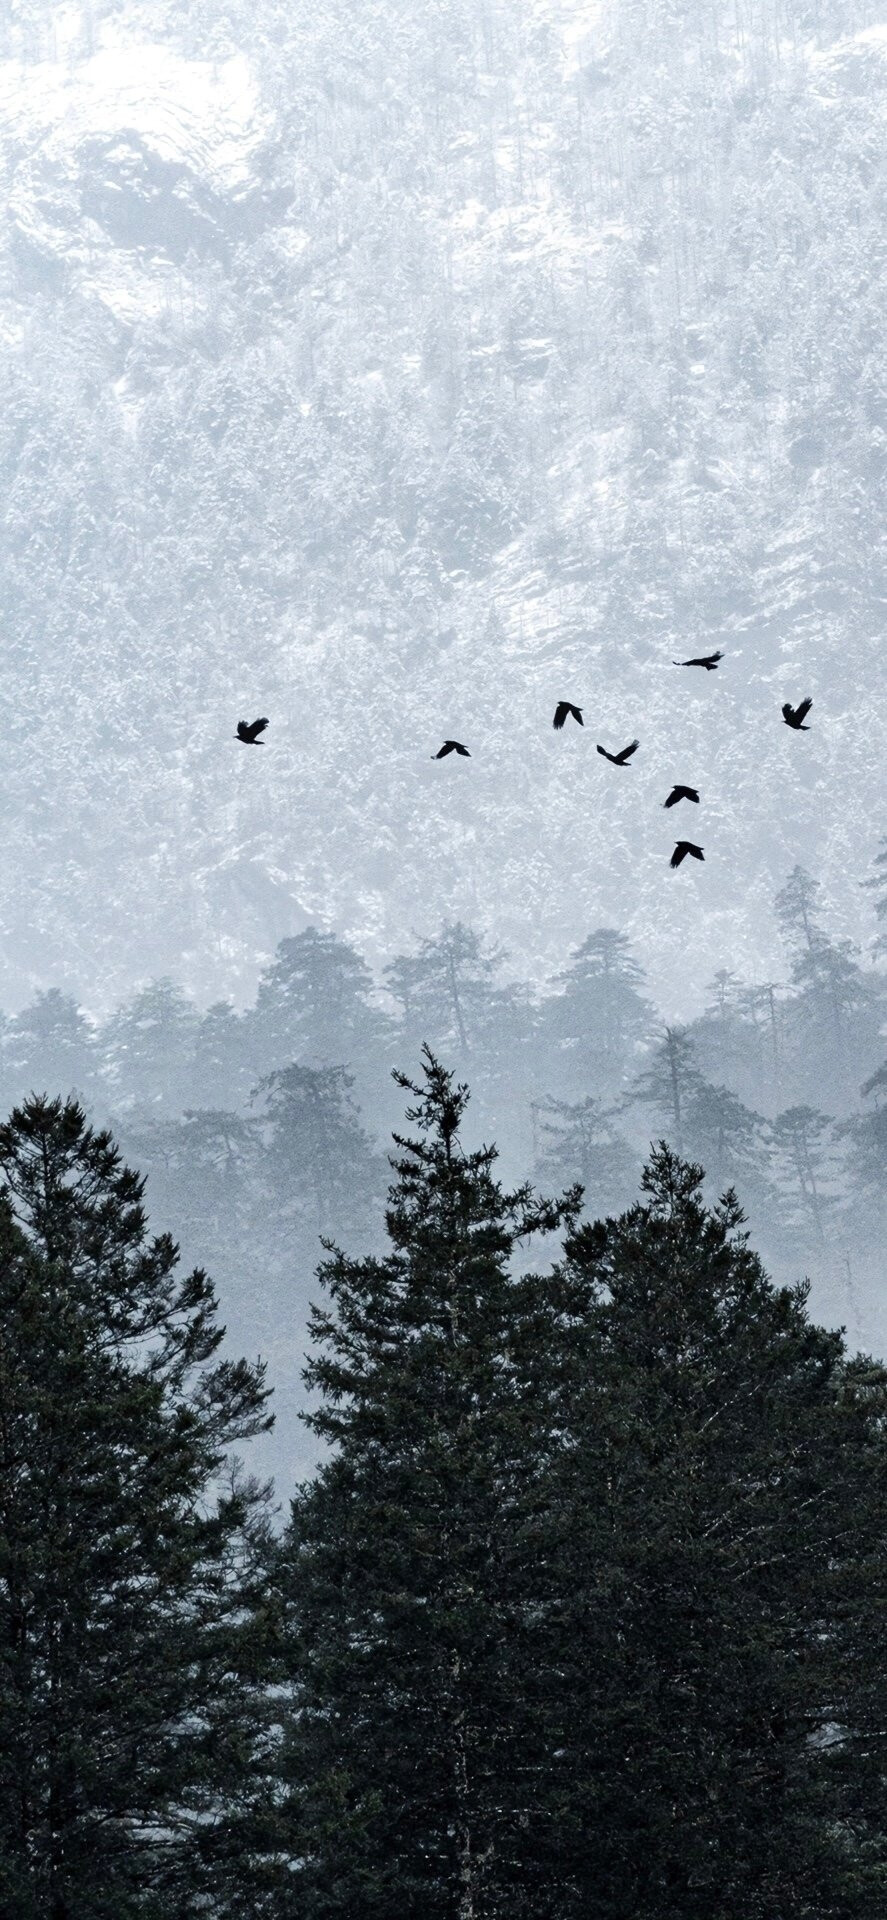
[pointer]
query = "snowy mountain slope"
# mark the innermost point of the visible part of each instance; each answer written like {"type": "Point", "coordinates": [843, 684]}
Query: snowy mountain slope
{"type": "Point", "coordinates": [398, 377]}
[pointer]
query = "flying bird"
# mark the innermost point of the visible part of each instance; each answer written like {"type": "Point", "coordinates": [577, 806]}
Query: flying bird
{"type": "Point", "coordinates": [707, 660]}
{"type": "Point", "coordinates": [620, 759]}
{"type": "Point", "coordinates": [682, 848]}
{"type": "Point", "coordinates": [451, 746]}
{"type": "Point", "coordinates": [563, 709]}
{"type": "Point", "coordinates": [681, 793]}
{"type": "Point", "coordinates": [795, 716]}
{"type": "Point", "coordinates": [248, 732]}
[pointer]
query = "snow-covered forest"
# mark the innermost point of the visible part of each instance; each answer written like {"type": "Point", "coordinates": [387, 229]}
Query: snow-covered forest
{"type": "Point", "coordinates": [392, 370]}
{"type": "Point", "coordinates": [442, 1315]}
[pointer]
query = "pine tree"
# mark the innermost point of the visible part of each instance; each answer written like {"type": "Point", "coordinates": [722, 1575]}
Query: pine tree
{"type": "Point", "coordinates": [578, 1144]}
{"type": "Point", "coordinates": [410, 1560]}
{"type": "Point", "coordinates": [221, 1074]}
{"type": "Point", "coordinates": [736, 1038]}
{"type": "Point", "coordinates": [837, 1009]}
{"type": "Point", "coordinates": [729, 1139]}
{"type": "Point", "coordinates": [670, 1082]}
{"type": "Point", "coordinates": [49, 1044]}
{"type": "Point", "coordinates": [146, 1050]}
{"type": "Point", "coordinates": [718, 1545]}
{"type": "Point", "coordinates": [878, 884]}
{"type": "Point", "coordinates": [451, 1000]}
{"type": "Point", "coordinates": [131, 1736]}
{"type": "Point", "coordinates": [318, 1171]}
{"type": "Point", "coordinates": [448, 995]}
{"type": "Point", "coordinates": [804, 1169]}
{"type": "Point", "coordinates": [593, 1028]}
{"type": "Point", "coordinates": [315, 1008]}
{"type": "Point", "coordinates": [867, 1161]}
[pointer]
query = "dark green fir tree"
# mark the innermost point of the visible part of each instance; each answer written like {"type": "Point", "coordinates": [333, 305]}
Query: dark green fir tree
{"type": "Point", "coordinates": [411, 1561]}
{"type": "Point", "coordinates": [718, 1548]}
{"type": "Point", "coordinates": [132, 1735]}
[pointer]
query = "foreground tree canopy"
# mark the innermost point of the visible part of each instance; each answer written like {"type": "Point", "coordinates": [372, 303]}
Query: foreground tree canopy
{"type": "Point", "coordinates": [584, 1605]}
{"type": "Point", "coordinates": [580, 1614]}
{"type": "Point", "coordinates": [129, 1599]}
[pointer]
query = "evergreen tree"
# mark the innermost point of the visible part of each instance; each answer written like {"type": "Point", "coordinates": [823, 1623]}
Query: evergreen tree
{"type": "Point", "coordinates": [804, 1169]}
{"type": "Point", "coordinates": [450, 999]}
{"type": "Point", "coordinates": [717, 1544]}
{"type": "Point", "coordinates": [49, 1044]}
{"type": "Point", "coordinates": [669, 1083]}
{"type": "Point", "coordinates": [131, 1738]}
{"type": "Point", "coordinates": [222, 1076]}
{"type": "Point", "coordinates": [411, 1558]}
{"type": "Point", "coordinates": [763, 1010]}
{"type": "Point", "coordinates": [314, 1008]}
{"type": "Point", "coordinates": [837, 1010]}
{"type": "Point", "coordinates": [201, 1177]}
{"type": "Point", "coordinates": [878, 884]}
{"type": "Point", "coordinates": [729, 1139]}
{"type": "Point", "coordinates": [735, 1040]}
{"type": "Point", "coordinates": [147, 1049]}
{"type": "Point", "coordinates": [867, 1161]}
{"type": "Point", "coordinates": [578, 1144]}
{"type": "Point", "coordinates": [318, 1170]}
{"type": "Point", "coordinates": [593, 1028]}
{"type": "Point", "coordinates": [447, 994]}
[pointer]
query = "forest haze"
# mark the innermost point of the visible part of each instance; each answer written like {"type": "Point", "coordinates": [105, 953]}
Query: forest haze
{"type": "Point", "coordinates": [265, 1131]}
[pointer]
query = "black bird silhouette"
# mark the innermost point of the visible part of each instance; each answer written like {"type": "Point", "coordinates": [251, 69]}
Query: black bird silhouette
{"type": "Point", "coordinates": [563, 709]}
{"type": "Point", "coordinates": [620, 759]}
{"type": "Point", "coordinates": [707, 660]}
{"type": "Point", "coordinates": [681, 793]}
{"type": "Point", "coordinates": [451, 746]}
{"type": "Point", "coordinates": [795, 716]}
{"type": "Point", "coordinates": [248, 732]}
{"type": "Point", "coordinates": [682, 848]}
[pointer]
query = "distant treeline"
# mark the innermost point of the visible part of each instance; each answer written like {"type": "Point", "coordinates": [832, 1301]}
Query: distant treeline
{"type": "Point", "coordinates": [264, 1129]}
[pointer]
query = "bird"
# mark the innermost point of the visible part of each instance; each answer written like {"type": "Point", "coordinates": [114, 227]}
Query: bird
{"type": "Point", "coordinates": [563, 709]}
{"type": "Point", "coordinates": [620, 759]}
{"type": "Point", "coordinates": [707, 660]}
{"type": "Point", "coordinates": [451, 746]}
{"type": "Point", "coordinates": [795, 716]}
{"type": "Point", "coordinates": [248, 732]}
{"type": "Point", "coordinates": [682, 848]}
{"type": "Point", "coordinates": [681, 793]}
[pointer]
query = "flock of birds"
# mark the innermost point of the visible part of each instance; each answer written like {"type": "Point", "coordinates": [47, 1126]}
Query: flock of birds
{"type": "Point", "coordinates": [248, 734]}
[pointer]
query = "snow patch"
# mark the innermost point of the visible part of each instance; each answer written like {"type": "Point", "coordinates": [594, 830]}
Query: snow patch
{"type": "Point", "coordinates": [195, 112]}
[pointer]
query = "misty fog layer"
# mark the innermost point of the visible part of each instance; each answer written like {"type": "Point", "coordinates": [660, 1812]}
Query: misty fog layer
{"type": "Point", "coordinates": [265, 1133]}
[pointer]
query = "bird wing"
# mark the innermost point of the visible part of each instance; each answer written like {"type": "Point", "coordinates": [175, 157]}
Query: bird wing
{"type": "Point", "coordinates": [675, 795]}
{"type": "Point", "coordinates": [577, 715]}
{"type": "Point", "coordinates": [460, 749]}
{"type": "Point", "coordinates": [560, 713]}
{"type": "Point", "coordinates": [243, 729]}
{"type": "Point", "coordinates": [679, 853]}
{"type": "Point", "coordinates": [803, 710]}
{"type": "Point", "coordinates": [252, 732]}
{"type": "Point", "coordinates": [627, 752]}
{"type": "Point", "coordinates": [788, 712]}
{"type": "Point", "coordinates": [448, 747]}
{"type": "Point", "coordinates": [695, 851]}
{"type": "Point", "coordinates": [607, 756]}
